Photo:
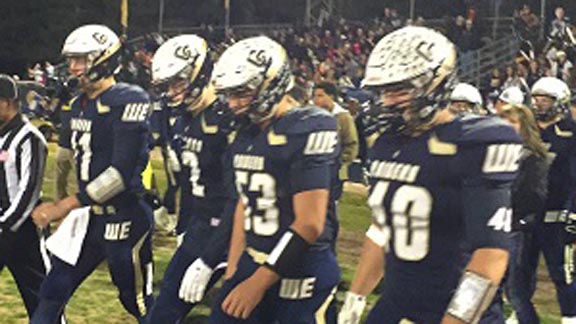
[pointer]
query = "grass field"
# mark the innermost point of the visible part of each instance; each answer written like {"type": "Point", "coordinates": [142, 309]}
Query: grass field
{"type": "Point", "coordinates": [95, 301]}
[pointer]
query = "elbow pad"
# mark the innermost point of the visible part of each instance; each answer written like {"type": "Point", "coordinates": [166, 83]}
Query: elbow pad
{"type": "Point", "coordinates": [107, 185]}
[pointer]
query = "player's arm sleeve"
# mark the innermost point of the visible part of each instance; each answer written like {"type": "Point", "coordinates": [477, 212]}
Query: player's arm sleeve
{"type": "Point", "coordinates": [130, 141]}
{"type": "Point", "coordinates": [220, 239]}
{"type": "Point", "coordinates": [311, 166]}
{"type": "Point", "coordinates": [489, 171]}
{"type": "Point", "coordinates": [349, 138]}
{"type": "Point", "coordinates": [156, 125]}
{"type": "Point", "coordinates": [31, 160]}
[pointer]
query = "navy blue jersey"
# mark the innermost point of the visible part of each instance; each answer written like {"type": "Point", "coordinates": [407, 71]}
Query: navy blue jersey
{"type": "Point", "coordinates": [200, 143]}
{"type": "Point", "coordinates": [294, 154]}
{"type": "Point", "coordinates": [110, 131]}
{"type": "Point", "coordinates": [164, 123]}
{"type": "Point", "coordinates": [440, 192]}
{"type": "Point", "coordinates": [561, 138]}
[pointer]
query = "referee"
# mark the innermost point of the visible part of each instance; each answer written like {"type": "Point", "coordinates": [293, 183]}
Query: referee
{"type": "Point", "coordinates": [22, 160]}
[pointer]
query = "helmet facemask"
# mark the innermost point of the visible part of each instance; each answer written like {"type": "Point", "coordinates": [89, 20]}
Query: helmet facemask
{"type": "Point", "coordinates": [546, 114]}
{"type": "Point", "coordinates": [428, 96]}
{"type": "Point", "coordinates": [189, 88]}
{"type": "Point", "coordinates": [99, 65]}
{"type": "Point", "coordinates": [265, 94]}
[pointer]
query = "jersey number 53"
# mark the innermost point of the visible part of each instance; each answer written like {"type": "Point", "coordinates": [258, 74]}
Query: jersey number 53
{"type": "Point", "coordinates": [264, 220]}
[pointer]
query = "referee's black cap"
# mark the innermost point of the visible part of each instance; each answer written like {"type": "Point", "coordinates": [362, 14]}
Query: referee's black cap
{"type": "Point", "coordinates": [8, 87]}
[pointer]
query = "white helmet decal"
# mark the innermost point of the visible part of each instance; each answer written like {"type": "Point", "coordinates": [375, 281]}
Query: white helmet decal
{"type": "Point", "coordinates": [255, 64]}
{"type": "Point", "coordinates": [176, 54]}
{"type": "Point", "coordinates": [90, 39]}
{"type": "Point", "coordinates": [409, 54]}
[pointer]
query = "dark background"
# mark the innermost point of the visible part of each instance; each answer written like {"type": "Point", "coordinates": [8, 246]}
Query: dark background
{"type": "Point", "coordinates": [34, 30]}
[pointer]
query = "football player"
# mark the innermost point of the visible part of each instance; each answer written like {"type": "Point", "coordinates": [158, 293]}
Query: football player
{"type": "Point", "coordinates": [512, 95]}
{"type": "Point", "coordinates": [109, 136]}
{"type": "Point", "coordinates": [182, 68]}
{"type": "Point", "coordinates": [439, 183]}
{"type": "Point", "coordinates": [281, 267]}
{"type": "Point", "coordinates": [465, 98]}
{"type": "Point", "coordinates": [553, 233]}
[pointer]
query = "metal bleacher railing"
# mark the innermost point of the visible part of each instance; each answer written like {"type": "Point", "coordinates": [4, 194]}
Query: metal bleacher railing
{"type": "Point", "coordinates": [499, 51]}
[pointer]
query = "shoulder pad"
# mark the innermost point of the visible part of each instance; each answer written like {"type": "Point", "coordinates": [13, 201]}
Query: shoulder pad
{"type": "Point", "coordinates": [122, 93]}
{"type": "Point", "coordinates": [481, 129]}
{"type": "Point", "coordinates": [304, 120]}
{"type": "Point", "coordinates": [565, 128]}
{"type": "Point", "coordinates": [220, 116]}
{"type": "Point", "coordinates": [66, 106]}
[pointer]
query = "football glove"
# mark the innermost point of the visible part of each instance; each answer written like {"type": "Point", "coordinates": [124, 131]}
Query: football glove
{"type": "Point", "coordinates": [195, 280]}
{"type": "Point", "coordinates": [352, 310]}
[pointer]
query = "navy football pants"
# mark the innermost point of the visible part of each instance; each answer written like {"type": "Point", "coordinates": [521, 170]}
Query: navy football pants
{"type": "Point", "coordinates": [168, 307]}
{"type": "Point", "coordinates": [129, 260]}
{"type": "Point", "coordinates": [548, 238]}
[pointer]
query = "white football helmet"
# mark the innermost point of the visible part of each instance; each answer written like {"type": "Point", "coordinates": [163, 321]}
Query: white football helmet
{"type": "Point", "coordinates": [555, 89]}
{"type": "Point", "coordinates": [415, 58]}
{"type": "Point", "coordinates": [256, 64]}
{"type": "Point", "coordinates": [100, 45]}
{"type": "Point", "coordinates": [464, 92]}
{"type": "Point", "coordinates": [185, 59]}
{"type": "Point", "coordinates": [512, 95]}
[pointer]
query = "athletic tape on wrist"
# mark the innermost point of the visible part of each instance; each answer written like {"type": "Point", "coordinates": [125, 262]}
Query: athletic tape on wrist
{"type": "Point", "coordinates": [473, 295]}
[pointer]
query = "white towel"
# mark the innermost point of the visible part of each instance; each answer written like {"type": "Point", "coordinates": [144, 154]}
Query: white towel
{"type": "Point", "coordinates": [66, 243]}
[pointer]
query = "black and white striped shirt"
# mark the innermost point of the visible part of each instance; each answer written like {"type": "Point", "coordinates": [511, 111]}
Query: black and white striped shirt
{"type": "Point", "coordinates": [23, 152]}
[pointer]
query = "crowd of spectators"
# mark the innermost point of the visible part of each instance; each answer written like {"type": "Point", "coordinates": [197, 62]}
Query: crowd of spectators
{"type": "Point", "coordinates": [552, 56]}
{"type": "Point", "coordinates": [337, 52]}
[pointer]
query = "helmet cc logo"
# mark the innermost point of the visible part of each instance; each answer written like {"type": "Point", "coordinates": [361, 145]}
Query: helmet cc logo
{"type": "Point", "coordinates": [100, 38]}
{"type": "Point", "coordinates": [424, 50]}
{"type": "Point", "coordinates": [185, 53]}
{"type": "Point", "coordinates": [258, 58]}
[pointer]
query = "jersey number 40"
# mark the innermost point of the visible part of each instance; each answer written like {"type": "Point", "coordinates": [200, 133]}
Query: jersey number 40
{"type": "Point", "coordinates": [411, 207]}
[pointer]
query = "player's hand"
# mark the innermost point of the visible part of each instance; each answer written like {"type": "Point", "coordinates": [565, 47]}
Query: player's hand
{"type": "Point", "coordinates": [195, 280]}
{"type": "Point", "coordinates": [49, 211]}
{"type": "Point", "coordinates": [42, 215]}
{"type": "Point", "coordinates": [242, 300]}
{"type": "Point", "coordinates": [352, 310]}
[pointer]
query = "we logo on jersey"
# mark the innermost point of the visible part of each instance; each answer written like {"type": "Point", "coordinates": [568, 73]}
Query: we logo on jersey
{"type": "Point", "coordinates": [117, 231]}
{"type": "Point", "coordinates": [136, 112]}
{"type": "Point", "coordinates": [502, 158]}
{"type": "Point", "coordinates": [321, 143]}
